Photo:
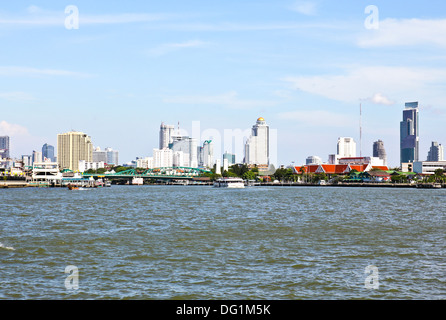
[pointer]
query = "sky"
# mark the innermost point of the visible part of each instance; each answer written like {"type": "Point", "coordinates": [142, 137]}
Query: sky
{"type": "Point", "coordinates": [115, 70]}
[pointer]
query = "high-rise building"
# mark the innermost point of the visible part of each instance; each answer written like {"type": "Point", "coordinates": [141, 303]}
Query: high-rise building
{"type": "Point", "coordinates": [409, 134]}
{"type": "Point", "coordinates": [162, 158]}
{"type": "Point", "coordinates": [379, 151]}
{"type": "Point", "coordinates": [4, 147]}
{"type": "Point", "coordinates": [37, 157]}
{"type": "Point", "coordinates": [206, 154]}
{"type": "Point", "coordinates": [166, 135]}
{"type": "Point", "coordinates": [48, 152]}
{"type": "Point", "coordinates": [72, 147]}
{"type": "Point", "coordinates": [230, 157]}
{"type": "Point", "coordinates": [436, 152]}
{"type": "Point", "coordinates": [112, 156]}
{"type": "Point", "coordinates": [99, 155]}
{"type": "Point", "coordinates": [346, 148]}
{"type": "Point", "coordinates": [312, 160]}
{"type": "Point", "coordinates": [257, 145]}
{"type": "Point", "coordinates": [189, 148]}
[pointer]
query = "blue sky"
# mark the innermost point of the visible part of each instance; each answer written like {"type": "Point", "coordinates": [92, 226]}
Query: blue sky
{"type": "Point", "coordinates": [305, 66]}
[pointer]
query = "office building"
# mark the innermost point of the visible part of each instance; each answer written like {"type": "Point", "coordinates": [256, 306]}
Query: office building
{"type": "Point", "coordinates": [206, 154]}
{"type": "Point", "coordinates": [436, 152]}
{"type": "Point", "coordinates": [48, 152]}
{"type": "Point", "coordinates": [37, 157]}
{"type": "Point", "coordinates": [346, 148]}
{"type": "Point", "coordinates": [428, 167]}
{"type": "Point", "coordinates": [4, 147]}
{"type": "Point", "coordinates": [189, 148]}
{"type": "Point", "coordinates": [257, 145]}
{"type": "Point", "coordinates": [166, 135]}
{"type": "Point", "coordinates": [73, 147]}
{"type": "Point", "coordinates": [379, 151]}
{"type": "Point", "coordinates": [112, 156]}
{"type": "Point", "coordinates": [162, 158]}
{"type": "Point", "coordinates": [99, 155]}
{"type": "Point", "coordinates": [230, 157]}
{"type": "Point", "coordinates": [409, 133]}
{"type": "Point", "coordinates": [313, 160]}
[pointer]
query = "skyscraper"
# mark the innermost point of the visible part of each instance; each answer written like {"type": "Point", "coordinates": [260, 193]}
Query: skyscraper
{"type": "Point", "coordinates": [48, 152]}
{"type": "Point", "coordinates": [4, 147]}
{"type": "Point", "coordinates": [346, 148]}
{"type": "Point", "coordinates": [72, 147]}
{"type": "Point", "coordinates": [166, 135]}
{"type": "Point", "coordinates": [257, 145]}
{"type": "Point", "coordinates": [436, 152]}
{"type": "Point", "coordinates": [206, 154]}
{"type": "Point", "coordinates": [409, 133]}
{"type": "Point", "coordinates": [379, 151]}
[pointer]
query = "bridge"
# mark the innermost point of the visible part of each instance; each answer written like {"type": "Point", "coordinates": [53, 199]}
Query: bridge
{"type": "Point", "coordinates": [165, 173]}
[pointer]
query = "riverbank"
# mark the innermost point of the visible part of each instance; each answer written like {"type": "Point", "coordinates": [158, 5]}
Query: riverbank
{"type": "Point", "coordinates": [24, 184]}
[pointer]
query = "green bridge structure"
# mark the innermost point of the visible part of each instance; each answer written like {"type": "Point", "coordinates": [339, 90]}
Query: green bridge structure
{"type": "Point", "coordinates": [165, 173]}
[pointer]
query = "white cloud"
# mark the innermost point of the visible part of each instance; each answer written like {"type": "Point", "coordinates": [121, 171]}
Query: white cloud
{"type": "Point", "coordinates": [229, 99]}
{"type": "Point", "coordinates": [170, 47]}
{"type": "Point", "coordinates": [378, 82]}
{"type": "Point", "coordinates": [405, 32]}
{"type": "Point", "coordinates": [12, 130]}
{"type": "Point", "coordinates": [308, 8]}
{"type": "Point", "coordinates": [378, 98]}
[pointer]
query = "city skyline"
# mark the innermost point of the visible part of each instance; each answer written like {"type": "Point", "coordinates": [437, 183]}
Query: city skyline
{"type": "Point", "coordinates": [305, 66]}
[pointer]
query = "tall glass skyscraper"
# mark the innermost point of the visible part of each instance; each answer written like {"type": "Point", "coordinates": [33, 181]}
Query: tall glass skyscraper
{"type": "Point", "coordinates": [410, 133]}
{"type": "Point", "coordinates": [48, 152]}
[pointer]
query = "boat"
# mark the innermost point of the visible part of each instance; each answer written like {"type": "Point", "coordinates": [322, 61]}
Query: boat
{"type": "Point", "coordinates": [229, 183]}
{"type": "Point", "coordinates": [72, 187]}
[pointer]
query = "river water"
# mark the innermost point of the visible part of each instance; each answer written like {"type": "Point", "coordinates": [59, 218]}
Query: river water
{"type": "Point", "coordinates": [199, 242]}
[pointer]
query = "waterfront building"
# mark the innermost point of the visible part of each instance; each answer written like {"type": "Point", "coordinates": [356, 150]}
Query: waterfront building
{"type": "Point", "coordinates": [27, 161]}
{"type": "Point", "coordinates": [166, 135]}
{"type": "Point", "coordinates": [428, 167]}
{"type": "Point", "coordinates": [230, 157]}
{"type": "Point", "coordinates": [346, 147]}
{"type": "Point", "coordinates": [257, 145]}
{"type": "Point", "coordinates": [189, 148]}
{"type": "Point", "coordinates": [72, 147]}
{"type": "Point", "coordinates": [409, 133]}
{"type": "Point", "coordinates": [4, 147]}
{"type": "Point", "coordinates": [206, 154]}
{"type": "Point", "coordinates": [37, 157]}
{"type": "Point", "coordinates": [178, 159]}
{"type": "Point", "coordinates": [99, 155]}
{"type": "Point", "coordinates": [145, 163]}
{"type": "Point", "coordinates": [436, 152]}
{"type": "Point", "coordinates": [373, 161]}
{"type": "Point", "coordinates": [48, 152]}
{"type": "Point", "coordinates": [162, 158]}
{"type": "Point", "coordinates": [313, 160]}
{"type": "Point", "coordinates": [379, 151]}
{"type": "Point", "coordinates": [333, 159]}
{"type": "Point", "coordinates": [112, 156]}
{"type": "Point", "coordinates": [84, 165]}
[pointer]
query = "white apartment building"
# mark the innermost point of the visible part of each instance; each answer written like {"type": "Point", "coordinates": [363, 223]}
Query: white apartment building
{"type": "Point", "coordinates": [346, 148]}
{"type": "Point", "coordinates": [162, 158]}
{"type": "Point", "coordinates": [257, 145]}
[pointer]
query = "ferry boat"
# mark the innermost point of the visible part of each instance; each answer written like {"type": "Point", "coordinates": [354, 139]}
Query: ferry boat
{"type": "Point", "coordinates": [229, 183]}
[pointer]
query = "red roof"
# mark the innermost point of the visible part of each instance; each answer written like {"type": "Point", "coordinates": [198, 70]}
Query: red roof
{"type": "Point", "coordinates": [383, 168]}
